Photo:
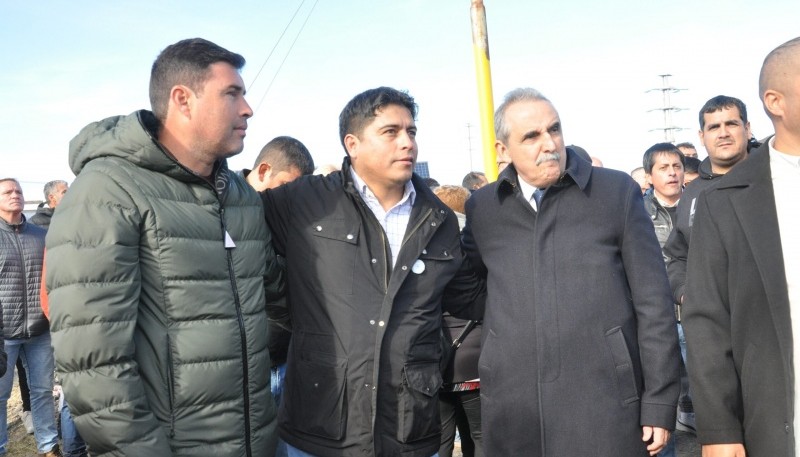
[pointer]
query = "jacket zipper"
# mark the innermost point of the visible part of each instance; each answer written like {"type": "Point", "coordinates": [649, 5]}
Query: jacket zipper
{"type": "Point", "coordinates": [170, 389]}
{"type": "Point", "coordinates": [417, 226]}
{"type": "Point", "coordinates": [242, 336]}
{"type": "Point", "coordinates": [25, 333]}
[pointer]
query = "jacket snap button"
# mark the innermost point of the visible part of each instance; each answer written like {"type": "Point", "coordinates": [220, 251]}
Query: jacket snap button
{"type": "Point", "coordinates": [372, 322]}
{"type": "Point", "coordinates": [444, 252]}
{"type": "Point", "coordinates": [381, 323]}
{"type": "Point", "coordinates": [433, 224]}
{"type": "Point", "coordinates": [349, 236]}
{"type": "Point", "coordinates": [424, 251]}
{"type": "Point", "coordinates": [374, 260]}
{"type": "Point", "coordinates": [319, 228]}
{"type": "Point", "coordinates": [404, 268]}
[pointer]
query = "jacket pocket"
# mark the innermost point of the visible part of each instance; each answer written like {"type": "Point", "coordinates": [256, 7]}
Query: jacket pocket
{"type": "Point", "coordinates": [317, 395]}
{"type": "Point", "coordinates": [334, 254]}
{"type": "Point", "coordinates": [418, 403]}
{"type": "Point", "coordinates": [623, 366]}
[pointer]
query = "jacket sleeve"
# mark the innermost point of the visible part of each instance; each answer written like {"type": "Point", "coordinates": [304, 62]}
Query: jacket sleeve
{"type": "Point", "coordinates": [676, 250]}
{"type": "Point", "coordinates": [93, 280]}
{"type": "Point", "coordinates": [655, 318]}
{"type": "Point", "coordinates": [465, 295]}
{"type": "Point", "coordinates": [716, 389]}
{"type": "Point", "coordinates": [279, 323]}
{"type": "Point", "coordinates": [276, 211]}
{"type": "Point", "coordinates": [3, 355]}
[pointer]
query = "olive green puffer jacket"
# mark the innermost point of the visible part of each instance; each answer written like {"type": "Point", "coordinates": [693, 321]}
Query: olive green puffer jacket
{"type": "Point", "coordinates": [159, 324]}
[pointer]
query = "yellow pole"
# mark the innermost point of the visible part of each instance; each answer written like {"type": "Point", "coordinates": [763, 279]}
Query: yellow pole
{"type": "Point", "coordinates": [480, 47]}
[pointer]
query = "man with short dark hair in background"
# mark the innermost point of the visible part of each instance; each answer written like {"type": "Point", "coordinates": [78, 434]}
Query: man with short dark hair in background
{"type": "Point", "coordinates": [691, 170]}
{"type": "Point", "coordinates": [724, 131]}
{"type": "Point", "coordinates": [53, 193]}
{"type": "Point", "coordinates": [25, 328]}
{"type": "Point", "coordinates": [743, 287]}
{"type": "Point", "coordinates": [664, 167]}
{"type": "Point", "coordinates": [687, 149]}
{"type": "Point", "coordinates": [159, 270]}
{"type": "Point", "coordinates": [282, 160]}
{"type": "Point", "coordinates": [474, 180]}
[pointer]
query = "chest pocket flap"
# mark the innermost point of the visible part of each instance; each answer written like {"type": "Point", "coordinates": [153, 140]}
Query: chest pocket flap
{"type": "Point", "coordinates": [337, 229]}
{"type": "Point", "coordinates": [436, 252]}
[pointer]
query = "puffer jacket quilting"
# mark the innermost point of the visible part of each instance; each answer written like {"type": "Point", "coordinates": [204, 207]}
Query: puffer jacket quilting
{"type": "Point", "coordinates": [159, 326]}
{"type": "Point", "coordinates": [21, 252]}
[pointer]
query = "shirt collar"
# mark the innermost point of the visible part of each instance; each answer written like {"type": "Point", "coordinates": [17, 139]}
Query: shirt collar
{"type": "Point", "coordinates": [787, 159]}
{"type": "Point", "coordinates": [526, 189]}
{"type": "Point", "coordinates": [409, 193]}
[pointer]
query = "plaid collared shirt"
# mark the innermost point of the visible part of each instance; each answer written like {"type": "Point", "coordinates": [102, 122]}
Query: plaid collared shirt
{"type": "Point", "coordinates": [394, 221]}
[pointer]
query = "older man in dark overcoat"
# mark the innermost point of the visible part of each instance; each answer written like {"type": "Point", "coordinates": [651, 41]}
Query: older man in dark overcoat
{"type": "Point", "coordinates": [580, 352]}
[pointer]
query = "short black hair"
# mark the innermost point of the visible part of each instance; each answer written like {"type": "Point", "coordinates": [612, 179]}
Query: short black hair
{"type": "Point", "coordinates": [284, 153]}
{"type": "Point", "coordinates": [648, 159]}
{"type": "Point", "coordinates": [186, 62]}
{"type": "Point", "coordinates": [721, 102]}
{"type": "Point", "coordinates": [685, 144]}
{"type": "Point", "coordinates": [430, 182]}
{"type": "Point", "coordinates": [365, 106]}
{"type": "Point", "coordinates": [473, 178]}
{"type": "Point", "coordinates": [692, 165]}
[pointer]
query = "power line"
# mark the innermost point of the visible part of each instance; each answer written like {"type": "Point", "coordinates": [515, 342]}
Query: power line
{"type": "Point", "coordinates": [286, 56]}
{"type": "Point", "coordinates": [276, 45]}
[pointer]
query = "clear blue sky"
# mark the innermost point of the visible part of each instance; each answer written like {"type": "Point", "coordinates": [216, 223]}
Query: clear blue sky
{"type": "Point", "coordinates": [70, 63]}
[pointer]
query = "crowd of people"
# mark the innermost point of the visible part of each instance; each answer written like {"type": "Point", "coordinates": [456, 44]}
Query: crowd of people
{"type": "Point", "coordinates": [189, 309]}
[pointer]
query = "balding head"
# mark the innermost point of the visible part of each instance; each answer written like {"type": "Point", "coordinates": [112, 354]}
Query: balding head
{"type": "Point", "coordinates": [780, 67]}
{"type": "Point", "coordinates": [780, 94]}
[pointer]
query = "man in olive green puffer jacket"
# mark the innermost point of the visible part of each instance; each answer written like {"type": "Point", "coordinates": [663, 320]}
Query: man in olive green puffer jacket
{"type": "Point", "coordinates": [159, 270]}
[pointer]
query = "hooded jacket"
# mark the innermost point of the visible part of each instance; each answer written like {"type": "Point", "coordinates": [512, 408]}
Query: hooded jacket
{"type": "Point", "coordinates": [43, 216]}
{"type": "Point", "coordinates": [157, 282]}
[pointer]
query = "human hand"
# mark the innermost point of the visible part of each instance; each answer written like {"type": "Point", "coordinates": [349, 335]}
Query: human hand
{"type": "Point", "coordinates": [659, 437]}
{"type": "Point", "coordinates": [724, 450]}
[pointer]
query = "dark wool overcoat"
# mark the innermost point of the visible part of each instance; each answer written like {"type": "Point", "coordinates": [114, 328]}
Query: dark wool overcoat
{"type": "Point", "coordinates": [736, 315]}
{"type": "Point", "coordinates": [580, 346]}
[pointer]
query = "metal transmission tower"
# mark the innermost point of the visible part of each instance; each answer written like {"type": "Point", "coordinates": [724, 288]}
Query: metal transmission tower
{"type": "Point", "coordinates": [667, 108]}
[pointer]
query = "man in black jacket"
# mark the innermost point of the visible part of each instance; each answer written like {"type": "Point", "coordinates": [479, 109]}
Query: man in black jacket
{"type": "Point", "coordinates": [743, 287]}
{"type": "Point", "coordinates": [369, 251]}
{"type": "Point", "coordinates": [724, 131]}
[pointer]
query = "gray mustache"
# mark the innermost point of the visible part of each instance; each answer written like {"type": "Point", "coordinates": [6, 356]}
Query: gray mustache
{"type": "Point", "coordinates": [544, 157]}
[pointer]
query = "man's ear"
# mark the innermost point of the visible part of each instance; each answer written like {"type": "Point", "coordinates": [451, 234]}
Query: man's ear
{"type": "Point", "coordinates": [264, 171]}
{"type": "Point", "coordinates": [502, 151]}
{"type": "Point", "coordinates": [181, 99]}
{"type": "Point", "coordinates": [648, 179]}
{"type": "Point", "coordinates": [774, 103]}
{"type": "Point", "coordinates": [351, 143]}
